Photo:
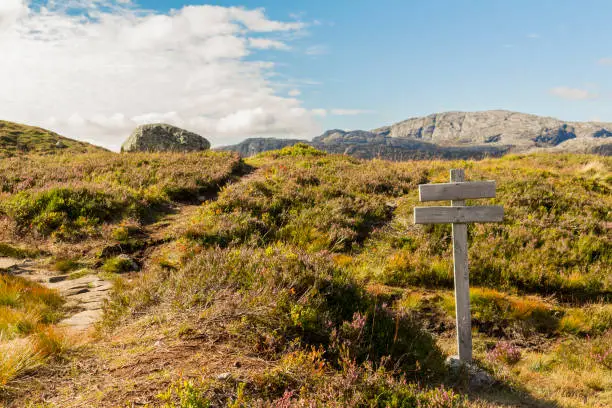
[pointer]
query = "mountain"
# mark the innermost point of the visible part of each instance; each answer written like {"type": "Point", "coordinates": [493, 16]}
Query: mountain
{"type": "Point", "coordinates": [17, 140]}
{"type": "Point", "coordinates": [255, 145]}
{"type": "Point", "coordinates": [458, 135]}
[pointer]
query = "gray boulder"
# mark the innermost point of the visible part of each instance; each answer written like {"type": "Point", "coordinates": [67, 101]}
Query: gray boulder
{"type": "Point", "coordinates": [160, 137]}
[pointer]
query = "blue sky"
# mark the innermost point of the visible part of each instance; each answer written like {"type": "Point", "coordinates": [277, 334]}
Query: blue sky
{"type": "Point", "coordinates": [402, 58]}
{"type": "Point", "coordinates": [321, 64]}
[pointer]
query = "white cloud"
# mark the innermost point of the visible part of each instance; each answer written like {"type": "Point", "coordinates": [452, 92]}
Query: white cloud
{"type": "Point", "coordinates": [605, 61]}
{"type": "Point", "coordinates": [97, 73]}
{"type": "Point", "coordinates": [294, 92]}
{"type": "Point", "coordinates": [533, 36]}
{"type": "Point", "coordinates": [267, 44]}
{"type": "Point", "coordinates": [10, 11]}
{"type": "Point", "coordinates": [565, 92]}
{"type": "Point", "coordinates": [319, 112]}
{"type": "Point", "coordinates": [350, 112]}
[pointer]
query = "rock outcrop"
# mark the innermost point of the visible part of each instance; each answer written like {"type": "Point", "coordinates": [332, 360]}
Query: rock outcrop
{"type": "Point", "coordinates": [161, 137]}
{"type": "Point", "coordinates": [520, 130]}
{"type": "Point", "coordinates": [456, 135]}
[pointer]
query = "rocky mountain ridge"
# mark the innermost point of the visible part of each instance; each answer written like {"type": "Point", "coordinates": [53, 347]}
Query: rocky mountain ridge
{"type": "Point", "coordinates": [456, 135]}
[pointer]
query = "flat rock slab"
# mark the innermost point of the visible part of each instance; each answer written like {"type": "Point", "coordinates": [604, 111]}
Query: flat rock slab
{"type": "Point", "coordinates": [6, 263]}
{"type": "Point", "coordinates": [85, 295]}
{"type": "Point", "coordinates": [82, 320]}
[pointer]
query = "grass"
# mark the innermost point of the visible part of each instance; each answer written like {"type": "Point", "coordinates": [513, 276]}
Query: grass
{"type": "Point", "coordinates": [308, 283]}
{"type": "Point", "coordinates": [27, 312]}
{"type": "Point", "coordinates": [24, 305]}
{"type": "Point", "coordinates": [19, 140]}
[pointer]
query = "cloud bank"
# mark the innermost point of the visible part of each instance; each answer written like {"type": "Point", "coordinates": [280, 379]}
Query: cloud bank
{"type": "Point", "coordinates": [94, 69]}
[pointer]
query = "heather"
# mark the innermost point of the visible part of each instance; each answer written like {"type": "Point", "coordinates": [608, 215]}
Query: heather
{"type": "Point", "coordinates": [297, 278]}
{"type": "Point", "coordinates": [69, 198]}
{"type": "Point", "coordinates": [554, 239]}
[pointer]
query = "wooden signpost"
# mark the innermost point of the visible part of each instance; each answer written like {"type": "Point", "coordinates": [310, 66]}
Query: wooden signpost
{"type": "Point", "coordinates": [459, 215]}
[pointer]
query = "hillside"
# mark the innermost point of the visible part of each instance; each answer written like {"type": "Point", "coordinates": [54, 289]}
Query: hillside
{"type": "Point", "coordinates": [458, 135]}
{"type": "Point", "coordinates": [17, 139]}
{"type": "Point", "coordinates": [297, 278]}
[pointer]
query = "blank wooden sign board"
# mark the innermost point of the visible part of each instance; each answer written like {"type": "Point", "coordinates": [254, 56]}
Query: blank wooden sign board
{"type": "Point", "coordinates": [459, 215]}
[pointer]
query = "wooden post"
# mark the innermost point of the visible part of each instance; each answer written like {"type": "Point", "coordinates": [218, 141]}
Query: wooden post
{"type": "Point", "coordinates": [457, 191]}
{"type": "Point", "coordinates": [462, 280]}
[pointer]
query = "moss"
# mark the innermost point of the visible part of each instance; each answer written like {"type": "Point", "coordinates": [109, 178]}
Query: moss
{"type": "Point", "coordinates": [117, 265]}
{"type": "Point", "coordinates": [65, 265]}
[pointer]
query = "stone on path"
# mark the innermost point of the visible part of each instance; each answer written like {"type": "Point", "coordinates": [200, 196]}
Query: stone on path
{"type": "Point", "coordinates": [84, 296]}
{"type": "Point", "coordinates": [6, 263]}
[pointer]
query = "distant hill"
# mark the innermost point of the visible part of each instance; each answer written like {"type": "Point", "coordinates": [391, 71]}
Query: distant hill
{"type": "Point", "coordinates": [457, 135]}
{"type": "Point", "coordinates": [255, 145]}
{"type": "Point", "coordinates": [17, 139]}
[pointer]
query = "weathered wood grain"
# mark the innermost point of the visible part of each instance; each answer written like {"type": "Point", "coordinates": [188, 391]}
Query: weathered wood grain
{"type": "Point", "coordinates": [462, 279]}
{"type": "Point", "coordinates": [458, 215]}
{"type": "Point", "coordinates": [456, 191]}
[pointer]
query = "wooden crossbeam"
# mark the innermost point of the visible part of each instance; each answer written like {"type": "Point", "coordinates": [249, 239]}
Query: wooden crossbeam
{"type": "Point", "coordinates": [458, 215]}
{"type": "Point", "coordinates": [456, 191]}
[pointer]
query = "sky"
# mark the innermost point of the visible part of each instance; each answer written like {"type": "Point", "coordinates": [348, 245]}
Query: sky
{"type": "Point", "coordinates": [95, 69]}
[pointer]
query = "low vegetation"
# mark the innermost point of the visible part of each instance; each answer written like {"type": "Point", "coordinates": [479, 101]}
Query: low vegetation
{"type": "Point", "coordinates": [305, 282]}
{"type": "Point", "coordinates": [27, 312]}
{"type": "Point", "coordinates": [19, 140]}
{"type": "Point", "coordinates": [64, 203]}
{"type": "Point", "coordinates": [70, 198]}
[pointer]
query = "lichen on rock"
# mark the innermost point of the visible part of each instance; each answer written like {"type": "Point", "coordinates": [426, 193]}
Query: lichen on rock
{"type": "Point", "coordinates": [160, 137]}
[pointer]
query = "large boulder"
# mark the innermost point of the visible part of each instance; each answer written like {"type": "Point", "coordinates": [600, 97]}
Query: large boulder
{"type": "Point", "coordinates": [160, 137]}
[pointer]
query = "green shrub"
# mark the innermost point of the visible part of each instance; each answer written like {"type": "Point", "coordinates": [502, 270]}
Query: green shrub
{"type": "Point", "coordinates": [62, 211]}
{"type": "Point", "coordinates": [319, 202]}
{"type": "Point", "coordinates": [65, 265]}
{"type": "Point", "coordinates": [118, 265]}
{"type": "Point", "coordinates": [11, 251]}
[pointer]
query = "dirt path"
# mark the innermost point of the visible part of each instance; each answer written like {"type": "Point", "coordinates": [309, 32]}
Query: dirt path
{"type": "Point", "coordinates": [85, 295]}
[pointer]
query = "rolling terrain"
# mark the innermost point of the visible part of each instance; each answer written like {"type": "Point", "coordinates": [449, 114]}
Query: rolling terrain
{"type": "Point", "coordinates": [17, 140]}
{"type": "Point", "coordinates": [296, 278]}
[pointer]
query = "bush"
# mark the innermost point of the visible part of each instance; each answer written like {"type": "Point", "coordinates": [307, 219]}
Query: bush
{"type": "Point", "coordinates": [65, 265]}
{"type": "Point", "coordinates": [62, 211]}
{"type": "Point", "coordinates": [118, 264]}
